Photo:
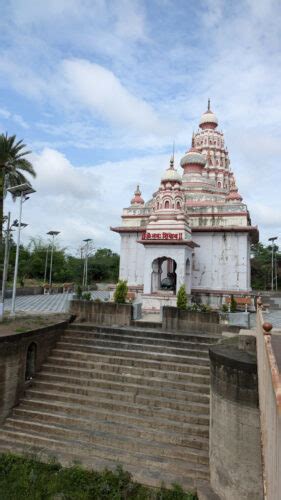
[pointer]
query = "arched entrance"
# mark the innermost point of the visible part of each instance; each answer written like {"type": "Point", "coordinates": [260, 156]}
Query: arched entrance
{"type": "Point", "coordinates": [30, 361]}
{"type": "Point", "coordinates": [187, 275]}
{"type": "Point", "coordinates": [163, 276]}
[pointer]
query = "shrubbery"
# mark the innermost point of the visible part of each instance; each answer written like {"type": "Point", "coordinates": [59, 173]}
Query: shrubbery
{"type": "Point", "coordinates": [182, 298]}
{"type": "Point", "coordinates": [29, 479]}
{"type": "Point", "coordinates": [121, 292]}
{"type": "Point", "coordinates": [233, 304]}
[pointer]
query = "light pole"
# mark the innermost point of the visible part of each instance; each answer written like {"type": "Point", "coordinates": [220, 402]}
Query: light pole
{"type": "Point", "coordinates": [5, 266]}
{"type": "Point", "coordinates": [21, 191]}
{"type": "Point", "coordinates": [6, 259]}
{"type": "Point", "coordinates": [272, 260]}
{"type": "Point", "coordinates": [46, 265]}
{"type": "Point", "coordinates": [85, 272]}
{"type": "Point", "coordinates": [53, 234]}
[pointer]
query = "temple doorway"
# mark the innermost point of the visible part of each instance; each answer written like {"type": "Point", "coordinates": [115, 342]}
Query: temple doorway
{"type": "Point", "coordinates": [163, 276]}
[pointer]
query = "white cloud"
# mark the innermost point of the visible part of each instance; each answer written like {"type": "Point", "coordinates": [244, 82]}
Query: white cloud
{"type": "Point", "coordinates": [84, 201]}
{"type": "Point", "coordinates": [18, 119]}
{"type": "Point", "coordinates": [96, 88]}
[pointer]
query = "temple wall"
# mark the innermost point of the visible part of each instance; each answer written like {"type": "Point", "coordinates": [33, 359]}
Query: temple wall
{"type": "Point", "coordinates": [131, 259]}
{"type": "Point", "coordinates": [221, 262]}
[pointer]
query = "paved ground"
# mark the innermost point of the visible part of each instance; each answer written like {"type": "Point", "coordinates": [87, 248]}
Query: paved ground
{"type": "Point", "coordinates": [273, 316]}
{"type": "Point", "coordinates": [57, 303]}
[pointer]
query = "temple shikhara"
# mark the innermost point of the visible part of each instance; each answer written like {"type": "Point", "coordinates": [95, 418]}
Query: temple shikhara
{"type": "Point", "coordinates": [196, 230]}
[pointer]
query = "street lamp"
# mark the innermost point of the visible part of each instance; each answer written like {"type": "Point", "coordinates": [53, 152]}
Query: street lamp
{"type": "Point", "coordinates": [6, 259]}
{"type": "Point", "coordinates": [53, 234]}
{"type": "Point", "coordinates": [85, 271]}
{"type": "Point", "coordinates": [272, 260]}
{"type": "Point", "coordinates": [20, 191]}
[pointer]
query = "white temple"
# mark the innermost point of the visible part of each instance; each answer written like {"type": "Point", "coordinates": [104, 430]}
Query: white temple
{"type": "Point", "coordinates": [195, 231]}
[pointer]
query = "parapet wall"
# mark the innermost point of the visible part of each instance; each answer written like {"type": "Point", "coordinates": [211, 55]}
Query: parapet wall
{"type": "Point", "coordinates": [102, 313]}
{"type": "Point", "coordinates": [13, 356]}
{"type": "Point", "coordinates": [235, 450]}
{"type": "Point", "coordinates": [179, 320]}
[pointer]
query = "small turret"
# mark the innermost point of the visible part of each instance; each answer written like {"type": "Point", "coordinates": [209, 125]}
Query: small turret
{"type": "Point", "coordinates": [137, 199]}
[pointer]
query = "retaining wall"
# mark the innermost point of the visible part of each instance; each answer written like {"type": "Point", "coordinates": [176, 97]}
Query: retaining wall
{"type": "Point", "coordinates": [102, 313]}
{"type": "Point", "coordinates": [13, 354]}
{"type": "Point", "coordinates": [174, 319]}
{"type": "Point", "coordinates": [235, 449]}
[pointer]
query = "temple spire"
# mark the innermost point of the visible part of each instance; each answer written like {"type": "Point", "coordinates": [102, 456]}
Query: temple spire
{"type": "Point", "coordinates": [209, 104]}
{"type": "Point", "coordinates": [193, 140]}
{"type": "Point", "coordinates": [172, 160]}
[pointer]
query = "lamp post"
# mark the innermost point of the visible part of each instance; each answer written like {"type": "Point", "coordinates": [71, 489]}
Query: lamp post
{"type": "Point", "coordinates": [272, 260]}
{"type": "Point", "coordinates": [20, 191]}
{"type": "Point", "coordinates": [85, 271]}
{"type": "Point", "coordinates": [46, 264]}
{"type": "Point", "coordinates": [53, 234]}
{"type": "Point", "coordinates": [5, 266]}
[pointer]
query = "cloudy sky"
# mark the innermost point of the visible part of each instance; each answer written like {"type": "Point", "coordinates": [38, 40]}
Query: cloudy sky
{"type": "Point", "coordinates": [100, 89]}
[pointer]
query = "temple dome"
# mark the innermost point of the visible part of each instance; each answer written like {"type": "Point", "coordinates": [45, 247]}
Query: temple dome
{"type": "Point", "coordinates": [193, 157]}
{"type": "Point", "coordinates": [208, 118]}
{"type": "Point", "coordinates": [171, 174]}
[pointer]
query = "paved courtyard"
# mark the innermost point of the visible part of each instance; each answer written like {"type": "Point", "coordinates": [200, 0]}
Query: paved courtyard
{"type": "Point", "coordinates": [57, 303]}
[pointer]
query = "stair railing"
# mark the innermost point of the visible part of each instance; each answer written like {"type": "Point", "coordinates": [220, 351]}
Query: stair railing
{"type": "Point", "coordinates": [270, 408]}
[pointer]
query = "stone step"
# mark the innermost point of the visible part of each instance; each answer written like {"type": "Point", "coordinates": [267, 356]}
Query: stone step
{"type": "Point", "coordinates": [141, 416]}
{"type": "Point", "coordinates": [144, 332]}
{"type": "Point", "coordinates": [147, 324]}
{"type": "Point", "coordinates": [100, 440]}
{"type": "Point", "coordinates": [138, 338]}
{"type": "Point", "coordinates": [94, 344]}
{"type": "Point", "coordinates": [157, 356]}
{"type": "Point", "coordinates": [102, 361]}
{"type": "Point", "coordinates": [174, 410]}
{"type": "Point", "coordinates": [173, 390]}
{"type": "Point", "coordinates": [150, 475]}
{"type": "Point", "coordinates": [119, 423]}
{"type": "Point", "coordinates": [135, 376]}
{"type": "Point", "coordinates": [83, 430]}
{"type": "Point", "coordinates": [148, 396]}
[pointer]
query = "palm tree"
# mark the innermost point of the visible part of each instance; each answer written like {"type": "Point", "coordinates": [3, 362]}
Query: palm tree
{"type": "Point", "coordinates": [12, 165]}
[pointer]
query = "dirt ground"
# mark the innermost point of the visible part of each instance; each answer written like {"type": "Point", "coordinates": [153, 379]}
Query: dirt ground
{"type": "Point", "coordinates": [25, 323]}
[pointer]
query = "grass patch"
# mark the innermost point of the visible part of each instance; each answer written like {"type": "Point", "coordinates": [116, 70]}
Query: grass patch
{"type": "Point", "coordinates": [25, 478]}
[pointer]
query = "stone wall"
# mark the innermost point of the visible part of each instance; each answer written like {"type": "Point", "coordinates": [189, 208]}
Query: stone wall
{"type": "Point", "coordinates": [24, 290]}
{"type": "Point", "coordinates": [13, 355]}
{"type": "Point", "coordinates": [102, 313]}
{"type": "Point", "coordinates": [235, 451]}
{"type": "Point", "coordinates": [174, 319]}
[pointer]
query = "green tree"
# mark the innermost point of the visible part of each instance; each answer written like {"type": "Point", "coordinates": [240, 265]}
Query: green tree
{"type": "Point", "coordinates": [182, 298]}
{"type": "Point", "coordinates": [13, 167]}
{"type": "Point", "coordinates": [104, 265]}
{"type": "Point", "coordinates": [261, 256]}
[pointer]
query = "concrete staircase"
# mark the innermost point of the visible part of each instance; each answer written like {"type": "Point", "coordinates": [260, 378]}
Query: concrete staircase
{"type": "Point", "coordinates": [132, 396]}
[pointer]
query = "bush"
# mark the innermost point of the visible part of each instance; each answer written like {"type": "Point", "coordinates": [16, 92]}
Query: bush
{"type": "Point", "coordinates": [28, 478]}
{"type": "Point", "coordinates": [87, 296]}
{"type": "Point", "coordinates": [205, 308]}
{"type": "Point", "coordinates": [224, 308]}
{"type": "Point", "coordinates": [79, 292]}
{"type": "Point", "coordinates": [182, 298]}
{"type": "Point", "coordinates": [233, 304]}
{"type": "Point", "coordinates": [121, 292]}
